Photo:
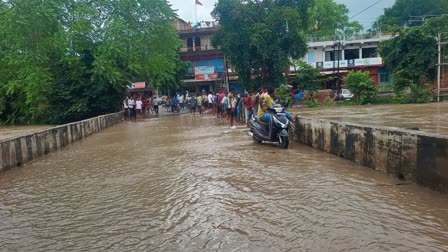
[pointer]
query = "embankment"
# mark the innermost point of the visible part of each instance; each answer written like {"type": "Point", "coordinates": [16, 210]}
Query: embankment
{"type": "Point", "coordinates": [414, 156]}
{"type": "Point", "coordinates": [19, 150]}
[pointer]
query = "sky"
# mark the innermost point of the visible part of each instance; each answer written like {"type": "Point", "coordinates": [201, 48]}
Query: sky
{"type": "Point", "coordinates": [186, 9]}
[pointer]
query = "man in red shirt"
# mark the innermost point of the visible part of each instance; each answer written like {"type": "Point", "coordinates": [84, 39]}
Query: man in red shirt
{"type": "Point", "coordinates": [249, 104]}
{"type": "Point", "coordinates": [220, 106]}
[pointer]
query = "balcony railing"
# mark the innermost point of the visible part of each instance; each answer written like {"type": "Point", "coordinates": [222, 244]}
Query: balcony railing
{"type": "Point", "coordinates": [347, 37]}
{"type": "Point", "coordinates": [199, 48]}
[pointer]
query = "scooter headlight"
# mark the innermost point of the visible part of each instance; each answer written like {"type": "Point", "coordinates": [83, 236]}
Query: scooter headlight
{"type": "Point", "coordinates": [283, 125]}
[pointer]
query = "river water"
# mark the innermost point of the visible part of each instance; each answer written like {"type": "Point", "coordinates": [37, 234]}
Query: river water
{"type": "Point", "coordinates": [430, 117]}
{"type": "Point", "coordinates": [189, 183]}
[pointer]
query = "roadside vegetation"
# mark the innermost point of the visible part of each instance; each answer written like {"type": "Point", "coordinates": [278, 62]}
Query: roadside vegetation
{"type": "Point", "coordinates": [67, 60]}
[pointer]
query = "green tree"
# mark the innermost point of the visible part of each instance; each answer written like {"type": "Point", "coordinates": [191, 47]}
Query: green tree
{"type": "Point", "coordinates": [308, 77]}
{"type": "Point", "coordinates": [66, 60]}
{"type": "Point", "coordinates": [260, 37]}
{"type": "Point", "coordinates": [412, 56]}
{"type": "Point", "coordinates": [361, 86]}
{"type": "Point", "coordinates": [330, 18]}
{"type": "Point", "coordinates": [401, 13]}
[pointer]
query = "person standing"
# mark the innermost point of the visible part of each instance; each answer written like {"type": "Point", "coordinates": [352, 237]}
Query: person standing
{"type": "Point", "coordinates": [155, 104]}
{"type": "Point", "coordinates": [232, 106]}
{"type": "Point", "coordinates": [221, 104]}
{"type": "Point", "coordinates": [193, 103]}
{"type": "Point", "coordinates": [139, 106]}
{"type": "Point", "coordinates": [131, 106]}
{"type": "Point", "coordinates": [257, 101]}
{"type": "Point", "coordinates": [126, 108]}
{"type": "Point", "coordinates": [249, 101]}
{"type": "Point", "coordinates": [210, 101]}
{"type": "Point", "coordinates": [200, 102]}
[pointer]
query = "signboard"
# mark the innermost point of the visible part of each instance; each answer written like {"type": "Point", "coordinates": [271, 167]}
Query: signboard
{"type": "Point", "coordinates": [351, 63]}
{"type": "Point", "coordinates": [329, 64]}
{"type": "Point", "coordinates": [205, 73]}
{"type": "Point", "coordinates": [136, 85]}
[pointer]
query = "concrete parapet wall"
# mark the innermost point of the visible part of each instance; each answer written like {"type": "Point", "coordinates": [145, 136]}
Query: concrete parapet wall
{"type": "Point", "coordinates": [411, 155]}
{"type": "Point", "coordinates": [19, 150]}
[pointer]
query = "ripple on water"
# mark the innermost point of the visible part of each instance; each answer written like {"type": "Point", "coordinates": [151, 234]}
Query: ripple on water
{"type": "Point", "coordinates": [191, 184]}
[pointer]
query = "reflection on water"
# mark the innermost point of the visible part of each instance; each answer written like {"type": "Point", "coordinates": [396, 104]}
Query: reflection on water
{"type": "Point", "coordinates": [190, 184]}
{"type": "Point", "coordinates": [427, 117]}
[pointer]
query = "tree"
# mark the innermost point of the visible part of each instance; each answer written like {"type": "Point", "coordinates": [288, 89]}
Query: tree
{"type": "Point", "coordinates": [401, 13]}
{"type": "Point", "coordinates": [308, 77]}
{"type": "Point", "coordinates": [260, 37]}
{"type": "Point", "coordinates": [412, 56]}
{"type": "Point", "coordinates": [330, 18]}
{"type": "Point", "coordinates": [66, 60]}
{"type": "Point", "coordinates": [361, 86]}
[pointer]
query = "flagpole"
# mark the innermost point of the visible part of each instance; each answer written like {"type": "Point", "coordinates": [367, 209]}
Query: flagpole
{"type": "Point", "coordinates": [196, 11]}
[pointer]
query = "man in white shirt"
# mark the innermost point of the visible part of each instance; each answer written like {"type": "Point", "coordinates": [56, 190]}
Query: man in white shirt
{"type": "Point", "coordinates": [131, 105]}
{"type": "Point", "coordinates": [138, 106]}
{"type": "Point", "coordinates": [210, 100]}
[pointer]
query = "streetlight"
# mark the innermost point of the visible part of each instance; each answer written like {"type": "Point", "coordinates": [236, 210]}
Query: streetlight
{"type": "Point", "coordinates": [336, 43]}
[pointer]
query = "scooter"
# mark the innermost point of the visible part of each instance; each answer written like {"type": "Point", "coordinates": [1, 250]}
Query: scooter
{"type": "Point", "coordinates": [274, 131]}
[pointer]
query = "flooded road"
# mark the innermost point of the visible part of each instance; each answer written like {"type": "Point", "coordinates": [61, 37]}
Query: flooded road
{"type": "Point", "coordinates": [431, 117]}
{"type": "Point", "coordinates": [185, 183]}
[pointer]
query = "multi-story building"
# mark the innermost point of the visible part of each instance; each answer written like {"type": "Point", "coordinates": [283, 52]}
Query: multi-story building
{"type": "Point", "coordinates": [338, 56]}
{"type": "Point", "coordinates": [333, 57]}
{"type": "Point", "coordinates": [208, 71]}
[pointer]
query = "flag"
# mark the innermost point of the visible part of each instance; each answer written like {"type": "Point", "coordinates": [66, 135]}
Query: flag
{"type": "Point", "coordinates": [198, 3]}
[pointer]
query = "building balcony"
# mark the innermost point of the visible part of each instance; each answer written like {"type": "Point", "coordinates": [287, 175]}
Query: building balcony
{"type": "Point", "coordinates": [199, 48]}
{"type": "Point", "coordinates": [186, 31]}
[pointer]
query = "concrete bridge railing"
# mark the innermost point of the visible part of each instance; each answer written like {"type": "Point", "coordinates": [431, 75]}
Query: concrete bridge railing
{"type": "Point", "coordinates": [19, 150]}
{"type": "Point", "coordinates": [411, 155]}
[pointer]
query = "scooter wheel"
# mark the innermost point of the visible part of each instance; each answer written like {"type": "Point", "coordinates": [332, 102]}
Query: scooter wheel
{"type": "Point", "coordinates": [284, 141]}
{"type": "Point", "coordinates": [257, 140]}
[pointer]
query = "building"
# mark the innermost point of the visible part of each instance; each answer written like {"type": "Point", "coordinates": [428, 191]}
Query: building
{"type": "Point", "coordinates": [208, 71]}
{"type": "Point", "coordinates": [336, 57]}
{"type": "Point", "coordinates": [332, 56]}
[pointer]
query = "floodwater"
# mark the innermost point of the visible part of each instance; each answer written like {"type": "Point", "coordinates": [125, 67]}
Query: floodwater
{"type": "Point", "coordinates": [431, 117]}
{"type": "Point", "coordinates": [189, 183]}
{"type": "Point", "coordinates": [14, 131]}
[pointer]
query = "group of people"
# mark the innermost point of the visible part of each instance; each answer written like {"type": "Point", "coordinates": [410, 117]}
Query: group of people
{"type": "Point", "coordinates": [137, 107]}
{"type": "Point", "coordinates": [236, 108]}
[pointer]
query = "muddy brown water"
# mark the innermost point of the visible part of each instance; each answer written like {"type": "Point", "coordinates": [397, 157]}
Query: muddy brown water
{"type": "Point", "coordinates": [187, 183]}
{"type": "Point", "coordinates": [430, 117]}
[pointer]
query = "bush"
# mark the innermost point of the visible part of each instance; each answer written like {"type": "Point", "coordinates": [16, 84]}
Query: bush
{"type": "Point", "coordinates": [312, 103]}
{"type": "Point", "coordinates": [361, 86]}
{"type": "Point", "coordinates": [283, 94]}
{"type": "Point", "coordinates": [417, 95]}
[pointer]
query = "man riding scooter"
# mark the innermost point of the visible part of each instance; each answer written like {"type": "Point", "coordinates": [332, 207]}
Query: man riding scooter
{"type": "Point", "coordinates": [267, 101]}
{"type": "Point", "coordinates": [272, 122]}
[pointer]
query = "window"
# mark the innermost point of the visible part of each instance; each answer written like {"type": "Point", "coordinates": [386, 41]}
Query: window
{"type": "Point", "coordinates": [333, 55]}
{"type": "Point", "coordinates": [351, 54]}
{"type": "Point", "coordinates": [190, 44]}
{"type": "Point", "coordinates": [369, 53]}
{"type": "Point", "coordinates": [311, 57]}
{"type": "Point", "coordinates": [197, 43]}
{"type": "Point", "coordinates": [384, 78]}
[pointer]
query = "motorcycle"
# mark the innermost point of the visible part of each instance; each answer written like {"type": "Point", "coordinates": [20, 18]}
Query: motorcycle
{"type": "Point", "coordinates": [274, 131]}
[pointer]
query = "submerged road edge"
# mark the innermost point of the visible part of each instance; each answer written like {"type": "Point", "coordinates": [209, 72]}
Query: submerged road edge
{"type": "Point", "coordinates": [21, 149]}
{"type": "Point", "coordinates": [411, 155]}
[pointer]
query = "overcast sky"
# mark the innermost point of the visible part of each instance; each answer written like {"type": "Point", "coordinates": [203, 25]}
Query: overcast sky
{"type": "Point", "coordinates": [186, 9]}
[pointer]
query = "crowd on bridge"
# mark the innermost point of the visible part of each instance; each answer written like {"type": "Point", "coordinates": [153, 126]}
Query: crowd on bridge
{"type": "Point", "coordinates": [236, 108]}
